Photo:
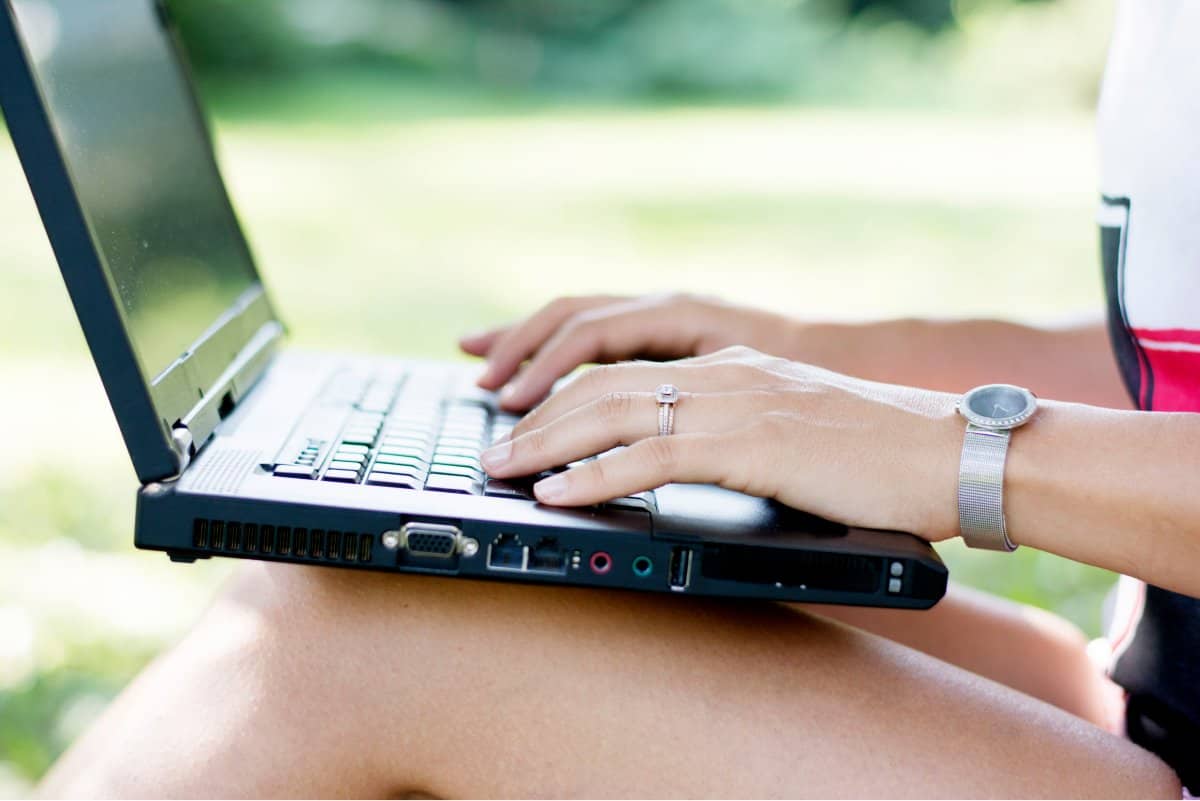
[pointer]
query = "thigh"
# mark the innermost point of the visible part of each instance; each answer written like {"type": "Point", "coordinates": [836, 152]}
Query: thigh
{"type": "Point", "coordinates": [305, 681]}
{"type": "Point", "coordinates": [1023, 647]}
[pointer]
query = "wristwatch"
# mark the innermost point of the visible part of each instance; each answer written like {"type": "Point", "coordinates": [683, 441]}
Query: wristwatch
{"type": "Point", "coordinates": [992, 412]}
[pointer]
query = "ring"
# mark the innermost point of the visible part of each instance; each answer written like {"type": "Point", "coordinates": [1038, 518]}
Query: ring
{"type": "Point", "coordinates": [667, 396]}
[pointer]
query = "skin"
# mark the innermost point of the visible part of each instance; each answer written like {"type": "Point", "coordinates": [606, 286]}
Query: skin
{"type": "Point", "coordinates": [1079, 478]}
{"type": "Point", "coordinates": [310, 682]}
{"type": "Point", "coordinates": [318, 682]}
{"type": "Point", "coordinates": [1074, 362]}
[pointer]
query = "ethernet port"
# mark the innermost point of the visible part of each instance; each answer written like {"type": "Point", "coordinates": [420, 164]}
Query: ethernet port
{"type": "Point", "coordinates": [507, 553]}
{"type": "Point", "coordinates": [548, 557]}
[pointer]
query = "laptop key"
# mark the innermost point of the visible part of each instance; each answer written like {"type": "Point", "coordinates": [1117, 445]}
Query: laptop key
{"type": "Point", "coordinates": [293, 471]}
{"type": "Point", "coordinates": [338, 464]}
{"type": "Point", "coordinates": [629, 502]}
{"type": "Point", "coordinates": [409, 461]}
{"type": "Point", "coordinates": [458, 484]}
{"type": "Point", "coordinates": [460, 442]}
{"type": "Point", "coordinates": [455, 450]}
{"type": "Point", "coordinates": [454, 470]}
{"type": "Point", "coordinates": [416, 471]}
{"type": "Point", "coordinates": [403, 450]}
{"type": "Point", "coordinates": [350, 476]}
{"type": "Point", "coordinates": [502, 489]}
{"type": "Point", "coordinates": [405, 442]}
{"type": "Point", "coordinates": [393, 480]}
{"type": "Point", "coordinates": [446, 460]}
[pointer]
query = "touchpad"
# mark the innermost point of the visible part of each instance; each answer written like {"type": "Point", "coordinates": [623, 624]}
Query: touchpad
{"type": "Point", "coordinates": [701, 508]}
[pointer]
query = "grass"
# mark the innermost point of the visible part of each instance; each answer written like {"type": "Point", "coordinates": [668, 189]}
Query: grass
{"type": "Point", "coordinates": [397, 231]}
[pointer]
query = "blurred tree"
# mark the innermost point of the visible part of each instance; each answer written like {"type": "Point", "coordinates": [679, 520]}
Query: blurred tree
{"type": "Point", "coordinates": [623, 48]}
{"type": "Point", "coordinates": [930, 15]}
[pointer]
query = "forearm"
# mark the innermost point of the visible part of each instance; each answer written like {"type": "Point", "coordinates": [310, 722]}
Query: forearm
{"type": "Point", "coordinates": [1072, 363]}
{"type": "Point", "coordinates": [1115, 489]}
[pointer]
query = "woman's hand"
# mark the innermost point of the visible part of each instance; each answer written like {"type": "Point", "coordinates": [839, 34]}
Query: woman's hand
{"type": "Point", "coordinates": [576, 330]}
{"type": "Point", "coordinates": [863, 453]}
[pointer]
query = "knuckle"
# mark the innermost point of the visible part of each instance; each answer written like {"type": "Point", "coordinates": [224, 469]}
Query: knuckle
{"type": "Point", "coordinates": [745, 374]}
{"type": "Point", "coordinates": [535, 442]}
{"type": "Point", "coordinates": [739, 353]}
{"type": "Point", "coordinates": [773, 424]}
{"type": "Point", "coordinates": [579, 327]}
{"type": "Point", "coordinates": [597, 473]}
{"type": "Point", "coordinates": [596, 377]}
{"type": "Point", "coordinates": [691, 299]}
{"type": "Point", "coordinates": [614, 406]}
{"type": "Point", "coordinates": [661, 454]}
{"type": "Point", "coordinates": [750, 470]}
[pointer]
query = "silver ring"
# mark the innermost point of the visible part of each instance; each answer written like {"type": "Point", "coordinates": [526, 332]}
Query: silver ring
{"type": "Point", "coordinates": [667, 396]}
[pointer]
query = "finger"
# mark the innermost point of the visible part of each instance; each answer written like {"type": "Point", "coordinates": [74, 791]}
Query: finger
{"type": "Point", "coordinates": [609, 334]}
{"type": "Point", "coordinates": [582, 390]}
{"type": "Point", "coordinates": [522, 339]}
{"type": "Point", "coordinates": [646, 465]}
{"type": "Point", "coordinates": [628, 377]}
{"type": "Point", "coordinates": [479, 343]}
{"type": "Point", "coordinates": [619, 418]}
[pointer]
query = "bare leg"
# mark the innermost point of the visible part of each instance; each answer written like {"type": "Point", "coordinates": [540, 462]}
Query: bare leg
{"type": "Point", "coordinates": [306, 681]}
{"type": "Point", "coordinates": [998, 639]}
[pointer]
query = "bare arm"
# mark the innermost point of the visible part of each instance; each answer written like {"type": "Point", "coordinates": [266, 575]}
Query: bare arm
{"type": "Point", "coordinates": [1072, 363]}
{"type": "Point", "coordinates": [1116, 489]}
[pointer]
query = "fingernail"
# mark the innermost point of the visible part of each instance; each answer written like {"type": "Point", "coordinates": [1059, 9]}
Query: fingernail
{"type": "Point", "coordinates": [551, 489]}
{"type": "Point", "coordinates": [508, 393]}
{"type": "Point", "coordinates": [497, 455]}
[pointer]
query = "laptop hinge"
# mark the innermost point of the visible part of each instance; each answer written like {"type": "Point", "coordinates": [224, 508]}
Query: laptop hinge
{"type": "Point", "coordinates": [190, 433]}
{"type": "Point", "coordinates": [183, 445]}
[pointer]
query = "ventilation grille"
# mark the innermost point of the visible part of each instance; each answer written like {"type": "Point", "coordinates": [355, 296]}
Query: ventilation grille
{"type": "Point", "coordinates": [317, 545]}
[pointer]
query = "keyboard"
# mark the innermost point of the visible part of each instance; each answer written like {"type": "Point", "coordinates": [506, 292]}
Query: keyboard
{"type": "Point", "coordinates": [407, 432]}
{"type": "Point", "coordinates": [389, 430]}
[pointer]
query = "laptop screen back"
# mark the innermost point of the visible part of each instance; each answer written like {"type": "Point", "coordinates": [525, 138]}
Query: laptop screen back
{"type": "Point", "coordinates": [139, 161]}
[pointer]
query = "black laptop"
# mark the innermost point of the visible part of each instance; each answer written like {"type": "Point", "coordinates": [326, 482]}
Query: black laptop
{"type": "Point", "coordinates": [247, 449]}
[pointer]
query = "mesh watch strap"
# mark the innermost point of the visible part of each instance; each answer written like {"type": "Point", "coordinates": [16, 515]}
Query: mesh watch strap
{"type": "Point", "coordinates": [981, 489]}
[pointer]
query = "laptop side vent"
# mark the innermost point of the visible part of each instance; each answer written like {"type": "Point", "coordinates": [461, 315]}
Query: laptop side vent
{"type": "Point", "coordinates": [232, 537]}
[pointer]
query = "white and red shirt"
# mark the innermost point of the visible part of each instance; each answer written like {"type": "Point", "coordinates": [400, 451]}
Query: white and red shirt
{"type": "Point", "coordinates": [1149, 128]}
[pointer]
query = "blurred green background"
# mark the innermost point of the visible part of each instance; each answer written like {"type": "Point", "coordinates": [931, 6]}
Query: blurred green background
{"type": "Point", "coordinates": [408, 170]}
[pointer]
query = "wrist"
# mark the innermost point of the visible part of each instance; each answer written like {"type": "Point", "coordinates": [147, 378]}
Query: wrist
{"type": "Point", "coordinates": [937, 473]}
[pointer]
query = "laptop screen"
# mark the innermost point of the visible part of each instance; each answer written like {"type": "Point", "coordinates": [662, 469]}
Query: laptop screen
{"type": "Point", "coordinates": [138, 157]}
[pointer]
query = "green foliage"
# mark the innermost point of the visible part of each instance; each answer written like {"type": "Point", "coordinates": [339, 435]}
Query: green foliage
{"type": "Point", "coordinates": [630, 49]}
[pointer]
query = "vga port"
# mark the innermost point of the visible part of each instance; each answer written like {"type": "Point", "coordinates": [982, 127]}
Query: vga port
{"type": "Point", "coordinates": [430, 539]}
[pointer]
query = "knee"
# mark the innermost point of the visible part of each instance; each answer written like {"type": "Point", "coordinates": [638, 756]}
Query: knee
{"type": "Point", "coordinates": [295, 601]}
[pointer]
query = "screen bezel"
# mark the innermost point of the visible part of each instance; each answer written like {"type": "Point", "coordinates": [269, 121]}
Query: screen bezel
{"type": "Point", "coordinates": [197, 387]}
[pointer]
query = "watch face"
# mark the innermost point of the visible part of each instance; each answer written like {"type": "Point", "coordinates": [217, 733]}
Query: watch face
{"type": "Point", "coordinates": [998, 406]}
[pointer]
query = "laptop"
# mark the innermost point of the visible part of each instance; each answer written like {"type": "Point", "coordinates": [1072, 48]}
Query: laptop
{"type": "Point", "coordinates": [245, 448]}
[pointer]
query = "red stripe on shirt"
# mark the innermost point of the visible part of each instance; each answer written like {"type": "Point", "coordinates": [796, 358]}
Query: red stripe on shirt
{"type": "Point", "coordinates": [1172, 356]}
{"type": "Point", "coordinates": [1186, 336]}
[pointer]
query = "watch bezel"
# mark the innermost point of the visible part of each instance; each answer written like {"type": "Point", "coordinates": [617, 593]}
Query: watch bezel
{"type": "Point", "coordinates": [998, 423]}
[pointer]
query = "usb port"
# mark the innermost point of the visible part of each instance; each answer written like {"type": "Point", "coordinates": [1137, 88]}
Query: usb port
{"type": "Point", "coordinates": [680, 572]}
